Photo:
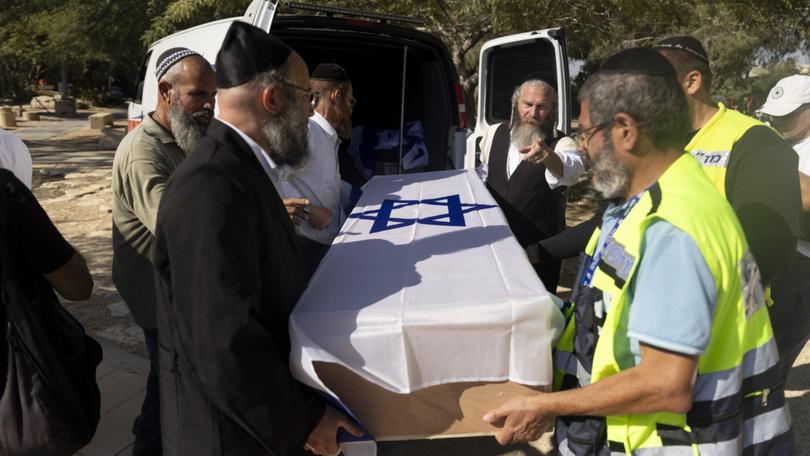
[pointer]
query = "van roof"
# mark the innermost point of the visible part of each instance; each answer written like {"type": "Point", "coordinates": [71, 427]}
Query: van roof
{"type": "Point", "coordinates": [179, 33]}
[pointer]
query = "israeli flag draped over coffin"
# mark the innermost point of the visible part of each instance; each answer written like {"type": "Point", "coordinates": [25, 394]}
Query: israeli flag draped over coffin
{"type": "Point", "coordinates": [426, 285]}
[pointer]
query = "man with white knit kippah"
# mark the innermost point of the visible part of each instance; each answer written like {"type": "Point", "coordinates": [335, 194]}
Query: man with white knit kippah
{"type": "Point", "coordinates": [143, 163]}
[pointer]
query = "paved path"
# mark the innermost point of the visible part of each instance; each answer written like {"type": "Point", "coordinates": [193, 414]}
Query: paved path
{"type": "Point", "coordinates": [48, 128]}
{"type": "Point", "coordinates": [121, 379]}
{"type": "Point", "coordinates": [69, 154]}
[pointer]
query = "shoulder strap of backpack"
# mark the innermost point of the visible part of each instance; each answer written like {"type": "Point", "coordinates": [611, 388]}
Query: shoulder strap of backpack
{"type": "Point", "coordinates": [5, 263]}
{"type": "Point", "coordinates": [7, 270]}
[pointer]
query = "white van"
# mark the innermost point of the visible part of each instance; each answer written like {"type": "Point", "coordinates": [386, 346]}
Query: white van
{"type": "Point", "coordinates": [401, 76]}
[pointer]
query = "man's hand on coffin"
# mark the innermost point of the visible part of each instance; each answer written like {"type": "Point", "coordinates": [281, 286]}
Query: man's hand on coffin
{"type": "Point", "coordinates": [323, 439]}
{"type": "Point", "coordinates": [662, 381]}
{"type": "Point", "coordinates": [522, 419]}
{"type": "Point", "coordinates": [319, 217]}
{"type": "Point", "coordinates": [297, 209]}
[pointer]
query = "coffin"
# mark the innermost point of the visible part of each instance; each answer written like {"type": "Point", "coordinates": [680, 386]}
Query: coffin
{"type": "Point", "coordinates": [425, 313]}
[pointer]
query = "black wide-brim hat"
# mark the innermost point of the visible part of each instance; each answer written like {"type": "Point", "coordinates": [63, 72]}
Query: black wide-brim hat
{"type": "Point", "coordinates": [246, 52]}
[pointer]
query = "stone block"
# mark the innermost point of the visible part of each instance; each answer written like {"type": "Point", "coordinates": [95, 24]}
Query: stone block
{"type": "Point", "coordinates": [100, 120]}
{"type": "Point", "coordinates": [7, 119]}
{"type": "Point", "coordinates": [43, 101]}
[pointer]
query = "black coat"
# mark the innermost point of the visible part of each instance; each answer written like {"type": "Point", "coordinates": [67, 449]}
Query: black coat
{"type": "Point", "coordinates": [228, 276]}
{"type": "Point", "coordinates": [533, 210]}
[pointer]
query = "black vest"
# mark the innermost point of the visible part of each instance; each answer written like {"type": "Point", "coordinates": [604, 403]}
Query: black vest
{"type": "Point", "coordinates": [533, 210]}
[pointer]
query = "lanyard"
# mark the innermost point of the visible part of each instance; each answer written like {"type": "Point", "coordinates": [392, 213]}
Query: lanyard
{"type": "Point", "coordinates": [587, 275]}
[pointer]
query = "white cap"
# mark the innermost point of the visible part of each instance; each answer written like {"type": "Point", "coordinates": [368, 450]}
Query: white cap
{"type": "Point", "coordinates": [787, 95]}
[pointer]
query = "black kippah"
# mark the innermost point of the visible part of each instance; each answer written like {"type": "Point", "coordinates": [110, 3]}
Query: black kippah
{"type": "Point", "coordinates": [686, 44]}
{"type": "Point", "coordinates": [638, 61]}
{"type": "Point", "coordinates": [330, 72]}
{"type": "Point", "coordinates": [169, 57]}
{"type": "Point", "coordinates": [246, 52]}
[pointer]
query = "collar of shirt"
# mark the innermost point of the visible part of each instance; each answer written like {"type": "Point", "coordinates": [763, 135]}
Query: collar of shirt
{"type": "Point", "coordinates": [156, 130]}
{"type": "Point", "coordinates": [326, 127]}
{"type": "Point", "coordinates": [803, 145]}
{"type": "Point", "coordinates": [616, 207]}
{"type": "Point", "coordinates": [274, 172]}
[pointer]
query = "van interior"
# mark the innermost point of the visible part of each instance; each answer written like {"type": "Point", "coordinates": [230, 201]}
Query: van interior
{"type": "Point", "coordinates": [375, 63]}
{"type": "Point", "coordinates": [508, 66]}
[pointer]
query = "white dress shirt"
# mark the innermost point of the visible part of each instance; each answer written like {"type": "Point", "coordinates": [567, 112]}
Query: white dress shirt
{"type": "Point", "coordinates": [803, 150]}
{"type": "Point", "coordinates": [318, 179]}
{"type": "Point", "coordinates": [14, 156]}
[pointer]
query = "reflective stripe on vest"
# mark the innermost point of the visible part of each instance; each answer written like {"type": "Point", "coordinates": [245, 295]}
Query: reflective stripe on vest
{"type": "Point", "coordinates": [741, 356]}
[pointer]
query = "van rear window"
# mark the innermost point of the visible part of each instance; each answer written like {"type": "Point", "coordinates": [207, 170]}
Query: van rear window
{"type": "Point", "coordinates": [509, 66]}
{"type": "Point", "coordinates": [141, 77]}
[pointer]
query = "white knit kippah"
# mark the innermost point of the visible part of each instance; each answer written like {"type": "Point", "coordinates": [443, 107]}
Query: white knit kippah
{"type": "Point", "coordinates": [169, 58]}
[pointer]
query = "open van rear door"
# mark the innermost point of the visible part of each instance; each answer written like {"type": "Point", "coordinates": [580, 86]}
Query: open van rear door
{"type": "Point", "coordinates": [506, 62]}
{"type": "Point", "coordinates": [260, 13]}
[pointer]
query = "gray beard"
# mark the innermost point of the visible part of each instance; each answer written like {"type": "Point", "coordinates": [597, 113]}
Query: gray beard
{"type": "Point", "coordinates": [288, 138]}
{"type": "Point", "coordinates": [187, 128]}
{"type": "Point", "coordinates": [610, 178]}
{"type": "Point", "coordinates": [525, 134]}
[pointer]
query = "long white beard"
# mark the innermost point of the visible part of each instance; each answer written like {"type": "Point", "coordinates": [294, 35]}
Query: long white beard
{"type": "Point", "coordinates": [524, 135]}
{"type": "Point", "coordinates": [188, 128]}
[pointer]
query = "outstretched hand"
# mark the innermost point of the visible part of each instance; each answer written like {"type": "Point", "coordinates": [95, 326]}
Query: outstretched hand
{"type": "Point", "coordinates": [536, 153]}
{"type": "Point", "coordinates": [540, 154]}
{"type": "Point", "coordinates": [522, 419]}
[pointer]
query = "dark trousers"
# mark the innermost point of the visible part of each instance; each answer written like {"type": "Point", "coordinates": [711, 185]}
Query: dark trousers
{"type": "Point", "coordinates": [790, 312]}
{"type": "Point", "coordinates": [147, 425]}
{"type": "Point", "coordinates": [313, 252]}
{"type": "Point", "coordinates": [549, 272]}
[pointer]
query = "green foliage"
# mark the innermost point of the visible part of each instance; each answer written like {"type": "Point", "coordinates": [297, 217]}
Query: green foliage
{"type": "Point", "coordinates": [180, 14]}
{"type": "Point", "coordinates": [95, 38]}
{"type": "Point", "coordinates": [754, 89]}
{"type": "Point", "coordinates": [102, 37]}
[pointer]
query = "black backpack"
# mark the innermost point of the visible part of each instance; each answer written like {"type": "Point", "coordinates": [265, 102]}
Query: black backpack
{"type": "Point", "coordinates": [50, 401]}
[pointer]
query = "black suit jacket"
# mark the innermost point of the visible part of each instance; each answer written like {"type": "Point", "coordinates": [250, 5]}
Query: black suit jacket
{"type": "Point", "coordinates": [533, 210]}
{"type": "Point", "coordinates": [228, 276]}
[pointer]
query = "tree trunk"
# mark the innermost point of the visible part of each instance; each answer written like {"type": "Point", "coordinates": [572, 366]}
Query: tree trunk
{"type": "Point", "coordinates": [2, 81]}
{"type": "Point", "coordinates": [63, 86]}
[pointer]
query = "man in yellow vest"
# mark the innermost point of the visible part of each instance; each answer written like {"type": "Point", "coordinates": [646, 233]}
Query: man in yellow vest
{"type": "Point", "coordinates": [670, 339]}
{"type": "Point", "coordinates": [751, 165]}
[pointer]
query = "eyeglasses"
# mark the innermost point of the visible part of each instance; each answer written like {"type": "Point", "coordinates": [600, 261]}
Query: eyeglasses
{"type": "Point", "coordinates": [313, 96]}
{"type": "Point", "coordinates": [583, 137]}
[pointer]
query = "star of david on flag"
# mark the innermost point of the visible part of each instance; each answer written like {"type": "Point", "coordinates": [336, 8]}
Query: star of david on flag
{"type": "Point", "coordinates": [384, 220]}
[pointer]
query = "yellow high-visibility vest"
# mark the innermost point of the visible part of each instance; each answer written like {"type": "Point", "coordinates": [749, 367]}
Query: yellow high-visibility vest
{"type": "Point", "coordinates": [737, 402]}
